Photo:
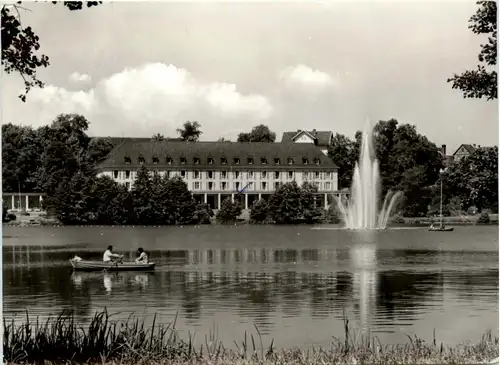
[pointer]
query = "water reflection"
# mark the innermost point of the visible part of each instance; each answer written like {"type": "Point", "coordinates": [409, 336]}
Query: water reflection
{"type": "Point", "coordinates": [276, 288]}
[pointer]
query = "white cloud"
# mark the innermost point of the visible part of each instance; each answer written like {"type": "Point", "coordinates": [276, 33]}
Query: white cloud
{"type": "Point", "coordinates": [303, 76]}
{"type": "Point", "coordinates": [153, 98]}
{"type": "Point", "coordinates": [78, 77]}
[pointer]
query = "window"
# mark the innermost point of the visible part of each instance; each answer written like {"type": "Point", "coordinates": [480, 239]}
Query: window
{"type": "Point", "coordinates": [167, 174]}
{"type": "Point", "coordinates": [328, 175]}
{"type": "Point", "coordinates": [237, 186]}
{"type": "Point", "coordinates": [196, 161]}
{"type": "Point", "coordinates": [210, 161]}
{"type": "Point", "coordinates": [196, 174]}
{"type": "Point", "coordinates": [277, 161]}
{"type": "Point", "coordinates": [317, 174]}
{"type": "Point", "coordinates": [305, 160]}
{"type": "Point", "coordinates": [210, 174]}
{"type": "Point", "coordinates": [183, 160]}
{"type": "Point", "coordinates": [316, 184]}
{"type": "Point", "coordinates": [250, 186]}
{"type": "Point", "coordinates": [210, 185]}
{"type": "Point", "coordinates": [127, 174]}
{"type": "Point", "coordinates": [316, 161]}
{"type": "Point", "coordinates": [305, 175]}
{"type": "Point", "coordinates": [276, 185]}
{"type": "Point", "coordinates": [276, 175]}
{"type": "Point", "coordinates": [290, 161]}
{"type": "Point", "coordinates": [115, 174]}
{"type": "Point", "coordinates": [263, 160]}
{"type": "Point", "coordinates": [327, 186]}
{"type": "Point", "coordinates": [290, 175]}
{"type": "Point", "coordinates": [155, 160]}
{"type": "Point", "coordinates": [127, 160]}
{"type": "Point", "coordinates": [183, 173]}
{"type": "Point", "coordinates": [236, 174]}
{"type": "Point", "coordinates": [169, 160]}
{"type": "Point", "coordinates": [250, 160]}
{"type": "Point", "coordinates": [223, 174]}
{"type": "Point", "coordinates": [141, 160]}
{"type": "Point", "coordinates": [264, 174]}
{"type": "Point", "coordinates": [223, 185]}
{"type": "Point", "coordinates": [196, 185]}
{"type": "Point", "coordinates": [250, 174]}
{"type": "Point", "coordinates": [127, 185]}
{"type": "Point", "coordinates": [223, 160]}
{"type": "Point", "coordinates": [236, 161]}
{"type": "Point", "coordinates": [263, 185]}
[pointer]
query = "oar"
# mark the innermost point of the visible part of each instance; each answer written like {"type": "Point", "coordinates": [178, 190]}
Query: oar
{"type": "Point", "coordinates": [114, 263]}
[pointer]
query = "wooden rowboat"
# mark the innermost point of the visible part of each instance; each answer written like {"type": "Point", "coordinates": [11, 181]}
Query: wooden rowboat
{"type": "Point", "coordinates": [441, 229]}
{"type": "Point", "coordinates": [82, 265]}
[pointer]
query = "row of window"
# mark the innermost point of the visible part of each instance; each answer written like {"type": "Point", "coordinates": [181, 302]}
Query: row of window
{"type": "Point", "coordinates": [210, 160]}
{"type": "Point", "coordinates": [235, 174]}
{"type": "Point", "coordinates": [240, 187]}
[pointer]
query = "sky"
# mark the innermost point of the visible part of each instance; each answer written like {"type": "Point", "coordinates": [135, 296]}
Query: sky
{"type": "Point", "coordinates": [141, 68]}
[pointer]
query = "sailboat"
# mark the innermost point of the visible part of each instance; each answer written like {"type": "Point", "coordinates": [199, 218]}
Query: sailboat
{"type": "Point", "coordinates": [441, 227]}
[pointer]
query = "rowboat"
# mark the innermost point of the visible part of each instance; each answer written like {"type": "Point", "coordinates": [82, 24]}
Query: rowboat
{"type": "Point", "coordinates": [83, 265]}
{"type": "Point", "coordinates": [441, 229]}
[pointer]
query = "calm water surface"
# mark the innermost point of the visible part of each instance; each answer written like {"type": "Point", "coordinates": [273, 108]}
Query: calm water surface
{"type": "Point", "coordinates": [293, 283]}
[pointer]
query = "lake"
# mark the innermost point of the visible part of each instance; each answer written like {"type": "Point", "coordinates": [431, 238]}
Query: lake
{"type": "Point", "coordinates": [293, 282]}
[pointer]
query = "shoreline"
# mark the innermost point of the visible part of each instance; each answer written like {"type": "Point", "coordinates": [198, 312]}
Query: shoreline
{"type": "Point", "coordinates": [61, 340]}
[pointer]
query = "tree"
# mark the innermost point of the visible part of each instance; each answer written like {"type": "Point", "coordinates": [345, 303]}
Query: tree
{"type": "Point", "coordinates": [259, 211]}
{"type": "Point", "coordinates": [229, 211]}
{"type": "Point", "coordinates": [20, 44]}
{"type": "Point", "coordinates": [344, 153]}
{"type": "Point", "coordinates": [481, 82]}
{"type": "Point", "coordinates": [157, 137]}
{"type": "Point", "coordinates": [474, 179]}
{"type": "Point", "coordinates": [222, 139]}
{"type": "Point", "coordinates": [311, 212]}
{"type": "Point", "coordinates": [181, 206]}
{"type": "Point", "coordinates": [99, 148]}
{"type": "Point", "coordinates": [260, 133]}
{"type": "Point", "coordinates": [141, 194]}
{"type": "Point", "coordinates": [190, 131]}
{"type": "Point", "coordinates": [203, 214]}
{"type": "Point", "coordinates": [285, 204]}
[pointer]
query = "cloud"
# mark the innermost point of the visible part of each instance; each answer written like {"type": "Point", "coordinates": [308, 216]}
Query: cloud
{"type": "Point", "coordinates": [78, 77]}
{"type": "Point", "coordinates": [304, 77]}
{"type": "Point", "coordinates": [154, 98]}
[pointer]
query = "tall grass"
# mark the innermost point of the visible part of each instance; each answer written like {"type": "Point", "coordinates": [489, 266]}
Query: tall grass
{"type": "Point", "coordinates": [60, 340]}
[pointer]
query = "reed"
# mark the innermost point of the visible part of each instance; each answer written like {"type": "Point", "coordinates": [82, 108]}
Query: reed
{"type": "Point", "coordinates": [60, 340]}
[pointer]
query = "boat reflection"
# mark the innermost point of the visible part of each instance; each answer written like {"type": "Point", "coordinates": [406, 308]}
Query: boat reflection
{"type": "Point", "coordinates": [110, 281]}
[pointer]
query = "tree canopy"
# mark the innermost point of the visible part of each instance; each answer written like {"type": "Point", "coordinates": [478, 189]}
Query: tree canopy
{"type": "Point", "coordinates": [260, 133]}
{"type": "Point", "coordinates": [20, 44]}
{"type": "Point", "coordinates": [190, 131]}
{"type": "Point", "coordinates": [481, 82]}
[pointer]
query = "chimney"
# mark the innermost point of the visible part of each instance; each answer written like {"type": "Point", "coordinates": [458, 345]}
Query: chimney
{"type": "Point", "coordinates": [314, 131]}
{"type": "Point", "coordinates": [443, 149]}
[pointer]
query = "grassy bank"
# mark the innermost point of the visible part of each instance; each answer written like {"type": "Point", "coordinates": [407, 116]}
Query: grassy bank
{"type": "Point", "coordinates": [104, 341]}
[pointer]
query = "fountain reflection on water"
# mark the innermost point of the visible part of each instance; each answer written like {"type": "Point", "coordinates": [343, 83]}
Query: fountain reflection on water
{"type": "Point", "coordinates": [360, 212]}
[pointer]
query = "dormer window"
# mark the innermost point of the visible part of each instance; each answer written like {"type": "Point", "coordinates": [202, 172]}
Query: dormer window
{"type": "Point", "coordinates": [196, 161]}
{"type": "Point", "coordinates": [236, 161]}
{"type": "Point", "coordinates": [263, 160]}
{"type": "Point", "coordinates": [141, 160]}
{"type": "Point", "coordinates": [169, 160]}
{"type": "Point", "coordinates": [250, 160]}
{"type": "Point", "coordinates": [155, 160]}
{"type": "Point", "coordinates": [316, 161]}
{"type": "Point", "coordinates": [277, 161]}
{"type": "Point", "coordinates": [290, 161]}
{"type": "Point", "coordinates": [128, 161]}
{"type": "Point", "coordinates": [183, 160]}
{"type": "Point", "coordinates": [210, 161]}
{"type": "Point", "coordinates": [305, 160]}
{"type": "Point", "coordinates": [223, 160]}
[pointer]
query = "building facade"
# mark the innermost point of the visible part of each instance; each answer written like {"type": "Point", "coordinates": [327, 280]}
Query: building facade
{"type": "Point", "coordinates": [245, 171]}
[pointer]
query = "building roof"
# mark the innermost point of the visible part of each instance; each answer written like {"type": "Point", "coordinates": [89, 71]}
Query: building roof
{"type": "Point", "coordinates": [322, 138]}
{"type": "Point", "coordinates": [469, 147]}
{"type": "Point", "coordinates": [175, 150]}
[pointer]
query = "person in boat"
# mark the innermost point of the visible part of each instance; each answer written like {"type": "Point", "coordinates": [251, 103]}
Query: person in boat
{"type": "Point", "coordinates": [143, 257]}
{"type": "Point", "coordinates": [109, 255]}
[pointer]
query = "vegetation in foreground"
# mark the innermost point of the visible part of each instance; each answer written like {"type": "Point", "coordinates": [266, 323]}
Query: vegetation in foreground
{"type": "Point", "coordinates": [61, 340]}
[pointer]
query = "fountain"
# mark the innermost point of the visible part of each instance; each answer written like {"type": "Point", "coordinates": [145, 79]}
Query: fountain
{"type": "Point", "coordinates": [361, 211]}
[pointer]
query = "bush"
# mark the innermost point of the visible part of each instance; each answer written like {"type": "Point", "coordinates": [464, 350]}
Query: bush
{"type": "Point", "coordinates": [203, 214]}
{"type": "Point", "coordinates": [259, 211]}
{"type": "Point", "coordinates": [333, 214]}
{"type": "Point", "coordinates": [397, 218]}
{"type": "Point", "coordinates": [484, 218]}
{"type": "Point", "coordinates": [228, 212]}
{"type": "Point", "coordinates": [11, 217]}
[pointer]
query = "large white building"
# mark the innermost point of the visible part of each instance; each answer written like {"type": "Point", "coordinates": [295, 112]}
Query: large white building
{"type": "Point", "coordinates": [246, 171]}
